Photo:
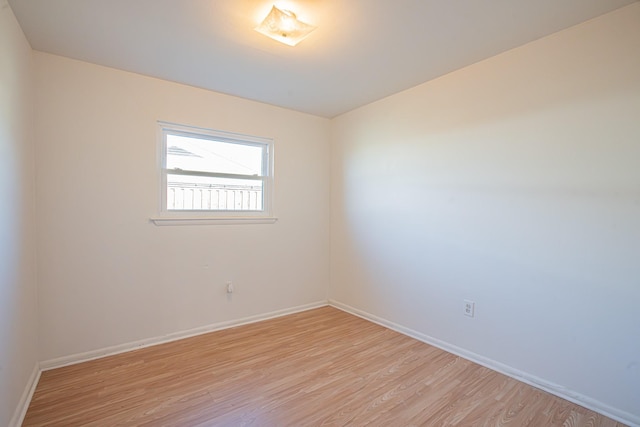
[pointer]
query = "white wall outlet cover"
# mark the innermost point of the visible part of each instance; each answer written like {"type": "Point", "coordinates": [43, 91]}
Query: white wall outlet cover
{"type": "Point", "coordinates": [469, 308]}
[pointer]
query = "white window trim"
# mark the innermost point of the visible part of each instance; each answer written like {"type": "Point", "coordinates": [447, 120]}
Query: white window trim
{"type": "Point", "coordinates": [183, 217]}
{"type": "Point", "coordinates": [160, 221]}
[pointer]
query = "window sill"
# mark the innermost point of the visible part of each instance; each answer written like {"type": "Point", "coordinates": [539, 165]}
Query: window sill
{"type": "Point", "coordinates": [211, 220]}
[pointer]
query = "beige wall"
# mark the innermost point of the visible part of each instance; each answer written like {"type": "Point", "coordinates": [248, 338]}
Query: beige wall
{"type": "Point", "coordinates": [18, 302]}
{"type": "Point", "coordinates": [515, 183]}
{"type": "Point", "coordinates": [107, 275]}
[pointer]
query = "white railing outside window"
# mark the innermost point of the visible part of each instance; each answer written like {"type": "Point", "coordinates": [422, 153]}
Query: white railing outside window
{"type": "Point", "coordinates": [213, 197]}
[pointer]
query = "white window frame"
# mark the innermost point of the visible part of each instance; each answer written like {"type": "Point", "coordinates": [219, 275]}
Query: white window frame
{"type": "Point", "coordinates": [192, 217]}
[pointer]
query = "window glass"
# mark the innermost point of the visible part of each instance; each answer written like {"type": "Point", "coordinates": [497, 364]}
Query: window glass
{"type": "Point", "coordinates": [214, 171]}
{"type": "Point", "coordinates": [197, 154]}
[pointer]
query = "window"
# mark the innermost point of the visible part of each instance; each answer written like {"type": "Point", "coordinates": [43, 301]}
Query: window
{"type": "Point", "coordinates": [214, 174]}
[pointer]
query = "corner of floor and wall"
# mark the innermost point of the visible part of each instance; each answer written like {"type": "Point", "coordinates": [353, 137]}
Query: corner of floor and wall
{"type": "Point", "coordinates": [512, 184]}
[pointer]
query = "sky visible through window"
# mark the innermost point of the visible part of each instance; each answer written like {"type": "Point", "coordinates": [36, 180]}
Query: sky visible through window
{"type": "Point", "coordinates": [188, 153]}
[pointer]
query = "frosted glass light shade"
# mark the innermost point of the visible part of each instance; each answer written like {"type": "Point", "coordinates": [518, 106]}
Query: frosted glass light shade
{"type": "Point", "coordinates": [284, 26]}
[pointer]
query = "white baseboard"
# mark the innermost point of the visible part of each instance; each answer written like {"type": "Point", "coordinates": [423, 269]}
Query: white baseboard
{"type": "Point", "coordinates": [555, 389]}
{"type": "Point", "coordinates": [25, 399]}
{"type": "Point", "coordinates": [148, 342]}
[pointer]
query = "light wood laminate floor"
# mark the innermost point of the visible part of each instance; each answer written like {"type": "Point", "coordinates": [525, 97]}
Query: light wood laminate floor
{"type": "Point", "coordinates": [320, 367]}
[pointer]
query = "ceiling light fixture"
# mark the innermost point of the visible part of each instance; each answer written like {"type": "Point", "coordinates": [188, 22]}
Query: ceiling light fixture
{"type": "Point", "coordinates": [284, 26]}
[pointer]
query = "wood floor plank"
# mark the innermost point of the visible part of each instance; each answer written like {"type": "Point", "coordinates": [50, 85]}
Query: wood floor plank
{"type": "Point", "coordinates": [322, 367]}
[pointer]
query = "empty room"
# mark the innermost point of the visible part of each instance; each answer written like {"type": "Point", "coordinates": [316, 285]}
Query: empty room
{"type": "Point", "coordinates": [305, 212]}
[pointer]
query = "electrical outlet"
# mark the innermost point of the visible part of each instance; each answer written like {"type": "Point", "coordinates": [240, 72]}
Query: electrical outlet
{"type": "Point", "coordinates": [469, 308]}
{"type": "Point", "coordinates": [230, 287]}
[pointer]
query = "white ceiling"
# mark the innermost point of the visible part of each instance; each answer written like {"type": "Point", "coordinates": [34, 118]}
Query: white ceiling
{"type": "Point", "coordinates": [363, 50]}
